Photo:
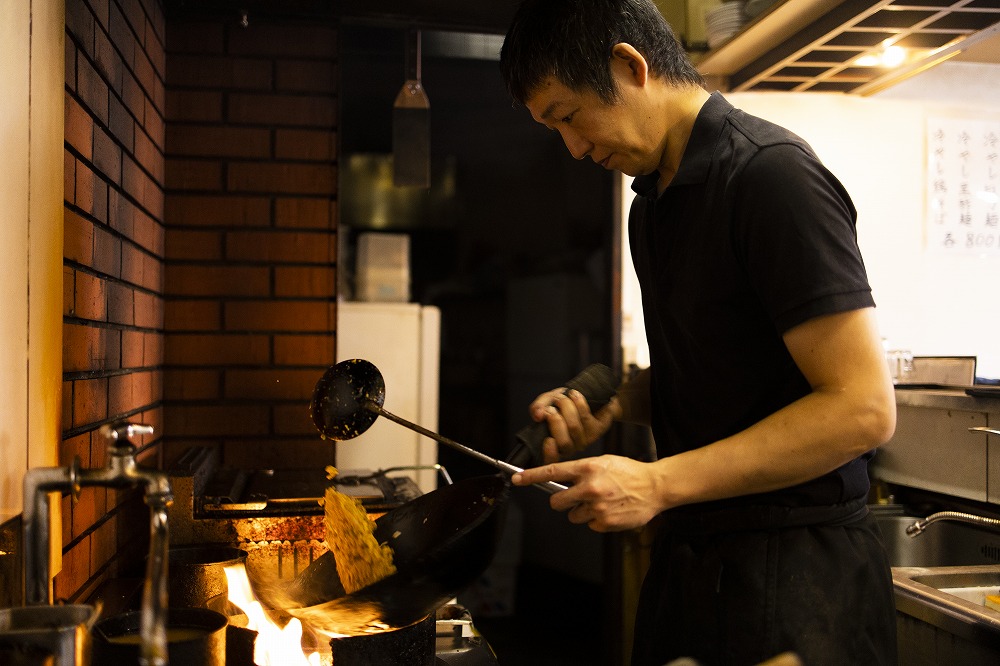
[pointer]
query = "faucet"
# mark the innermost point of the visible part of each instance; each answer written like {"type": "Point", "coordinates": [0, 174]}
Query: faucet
{"type": "Point", "coordinates": [121, 471]}
{"type": "Point", "coordinates": [919, 526]}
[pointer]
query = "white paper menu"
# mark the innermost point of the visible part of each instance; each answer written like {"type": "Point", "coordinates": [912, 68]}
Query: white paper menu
{"type": "Point", "coordinates": [963, 186]}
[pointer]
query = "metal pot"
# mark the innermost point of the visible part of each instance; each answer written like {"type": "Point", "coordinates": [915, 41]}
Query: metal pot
{"type": "Point", "coordinates": [197, 577]}
{"type": "Point", "coordinates": [195, 637]}
{"type": "Point", "coordinates": [60, 631]}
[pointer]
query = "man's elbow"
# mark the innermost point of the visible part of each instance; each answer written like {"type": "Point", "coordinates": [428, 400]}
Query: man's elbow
{"type": "Point", "coordinates": [879, 419]}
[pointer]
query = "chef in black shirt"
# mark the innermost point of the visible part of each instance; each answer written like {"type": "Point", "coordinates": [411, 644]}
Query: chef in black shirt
{"type": "Point", "coordinates": [767, 389]}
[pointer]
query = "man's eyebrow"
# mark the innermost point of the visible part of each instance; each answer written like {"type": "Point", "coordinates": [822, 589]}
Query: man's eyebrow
{"type": "Point", "coordinates": [547, 113]}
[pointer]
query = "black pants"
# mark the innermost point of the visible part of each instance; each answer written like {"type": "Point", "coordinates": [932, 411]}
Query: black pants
{"type": "Point", "coordinates": [736, 597]}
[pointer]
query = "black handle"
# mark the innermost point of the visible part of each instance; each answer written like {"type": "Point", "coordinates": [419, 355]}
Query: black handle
{"type": "Point", "coordinates": [597, 383]}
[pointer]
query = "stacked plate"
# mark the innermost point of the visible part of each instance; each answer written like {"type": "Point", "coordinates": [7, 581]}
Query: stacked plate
{"type": "Point", "coordinates": [723, 22]}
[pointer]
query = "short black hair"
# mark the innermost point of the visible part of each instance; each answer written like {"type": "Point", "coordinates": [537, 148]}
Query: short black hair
{"type": "Point", "coordinates": [572, 40]}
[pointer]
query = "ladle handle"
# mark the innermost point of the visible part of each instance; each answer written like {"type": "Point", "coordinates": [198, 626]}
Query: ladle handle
{"type": "Point", "coordinates": [548, 486]}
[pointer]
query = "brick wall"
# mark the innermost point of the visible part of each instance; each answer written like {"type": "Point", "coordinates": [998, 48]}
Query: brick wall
{"type": "Point", "coordinates": [251, 235]}
{"type": "Point", "coordinates": [112, 271]}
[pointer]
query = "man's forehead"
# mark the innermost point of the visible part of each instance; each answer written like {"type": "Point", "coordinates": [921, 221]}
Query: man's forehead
{"type": "Point", "coordinates": [546, 98]}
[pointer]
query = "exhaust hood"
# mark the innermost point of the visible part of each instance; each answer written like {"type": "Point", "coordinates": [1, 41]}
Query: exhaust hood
{"type": "Point", "coordinates": [853, 46]}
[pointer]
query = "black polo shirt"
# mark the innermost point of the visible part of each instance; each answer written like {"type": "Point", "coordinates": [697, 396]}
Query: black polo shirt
{"type": "Point", "coordinates": [752, 237]}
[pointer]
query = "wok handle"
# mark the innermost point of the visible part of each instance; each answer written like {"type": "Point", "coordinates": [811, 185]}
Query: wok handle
{"type": "Point", "coordinates": [548, 486]}
{"type": "Point", "coordinates": [551, 487]}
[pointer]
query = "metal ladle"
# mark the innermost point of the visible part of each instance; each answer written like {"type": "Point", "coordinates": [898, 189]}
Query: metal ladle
{"type": "Point", "coordinates": [349, 397]}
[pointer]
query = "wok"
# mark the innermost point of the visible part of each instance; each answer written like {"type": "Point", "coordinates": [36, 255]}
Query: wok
{"type": "Point", "coordinates": [441, 543]}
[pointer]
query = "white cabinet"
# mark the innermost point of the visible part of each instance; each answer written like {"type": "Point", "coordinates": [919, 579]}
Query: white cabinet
{"type": "Point", "coordinates": [403, 341]}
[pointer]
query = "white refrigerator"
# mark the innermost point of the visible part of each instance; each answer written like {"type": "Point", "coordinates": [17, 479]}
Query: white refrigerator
{"type": "Point", "coordinates": [403, 341]}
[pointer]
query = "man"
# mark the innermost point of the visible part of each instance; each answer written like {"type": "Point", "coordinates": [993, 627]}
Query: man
{"type": "Point", "coordinates": [768, 387]}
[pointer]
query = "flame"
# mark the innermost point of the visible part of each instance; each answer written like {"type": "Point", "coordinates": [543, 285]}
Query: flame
{"type": "Point", "coordinates": [275, 646]}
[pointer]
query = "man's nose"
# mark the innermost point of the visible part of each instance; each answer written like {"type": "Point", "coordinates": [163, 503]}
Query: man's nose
{"type": "Point", "coordinates": [577, 146]}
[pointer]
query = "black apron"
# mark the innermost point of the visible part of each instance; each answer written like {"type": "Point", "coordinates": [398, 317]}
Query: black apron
{"type": "Point", "coordinates": [735, 587]}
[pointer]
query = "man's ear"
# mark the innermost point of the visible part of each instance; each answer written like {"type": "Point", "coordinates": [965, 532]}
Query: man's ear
{"type": "Point", "coordinates": [624, 57]}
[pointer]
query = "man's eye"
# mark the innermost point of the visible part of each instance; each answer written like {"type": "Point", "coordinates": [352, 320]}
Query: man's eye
{"type": "Point", "coordinates": [568, 119]}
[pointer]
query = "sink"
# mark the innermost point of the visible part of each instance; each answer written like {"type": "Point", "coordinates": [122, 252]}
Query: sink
{"type": "Point", "coordinates": [971, 586]}
{"type": "Point", "coordinates": [943, 544]}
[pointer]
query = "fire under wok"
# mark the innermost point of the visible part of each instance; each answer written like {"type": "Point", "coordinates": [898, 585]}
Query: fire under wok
{"type": "Point", "coordinates": [441, 542]}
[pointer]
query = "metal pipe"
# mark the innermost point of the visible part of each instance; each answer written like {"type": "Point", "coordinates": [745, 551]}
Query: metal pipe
{"type": "Point", "coordinates": [919, 526]}
{"type": "Point", "coordinates": [120, 472]}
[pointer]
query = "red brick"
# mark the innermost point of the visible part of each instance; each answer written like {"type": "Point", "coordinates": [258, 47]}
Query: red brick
{"type": "Point", "coordinates": [70, 64]}
{"type": "Point", "coordinates": [92, 89]}
{"type": "Point", "coordinates": [122, 124]}
{"type": "Point", "coordinates": [66, 507]}
{"type": "Point", "coordinates": [270, 109]}
{"type": "Point", "coordinates": [280, 246]}
{"type": "Point", "coordinates": [133, 353]}
{"type": "Point", "coordinates": [121, 214]}
{"type": "Point", "coordinates": [293, 419]}
{"type": "Point", "coordinates": [280, 316]}
{"type": "Point", "coordinates": [285, 178]}
{"type": "Point", "coordinates": [89, 300]}
{"type": "Point", "coordinates": [108, 61]}
{"type": "Point", "coordinates": [309, 145]}
{"type": "Point", "coordinates": [121, 307]}
{"type": "Point", "coordinates": [100, 9]}
{"type": "Point", "coordinates": [220, 72]}
{"type": "Point", "coordinates": [145, 388]}
{"type": "Point", "coordinates": [193, 106]}
{"type": "Point", "coordinates": [83, 348]}
{"type": "Point", "coordinates": [133, 96]}
{"type": "Point", "coordinates": [107, 156]}
{"type": "Point", "coordinates": [107, 252]}
{"type": "Point", "coordinates": [148, 233]}
{"type": "Point", "coordinates": [185, 35]}
{"type": "Point", "coordinates": [152, 349]}
{"type": "Point", "coordinates": [120, 398]}
{"type": "Point", "coordinates": [223, 211]}
{"type": "Point", "coordinates": [192, 315]}
{"type": "Point", "coordinates": [318, 76]}
{"type": "Point", "coordinates": [104, 544]}
{"type": "Point", "coordinates": [79, 128]}
{"type": "Point", "coordinates": [304, 350]}
{"type": "Point", "coordinates": [194, 384]}
{"type": "Point", "coordinates": [69, 177]}
{"type": "Point", "coordinates": [78, 239]}
{"type": "Point", "coordinates": [305, 281]}
{"type": "Point", "coordinates": [213, 141]}
{"type": "Point", "coordinates": [75, 570]}
{"type": "Point", "coordinates": [152, 273]}
{"type": "Point", "coordinates": [193, 175]}
{"type": "Point", "coordinates": [193, 244]}
{"type": "Point", "coordinates": [216, 420]}
{"type": "Point", "coordinates": [121, 33]}
{"type": "Point", "coordinates": [284, 454]}
{"type": "Point", "coordinates": [85, 510]}
{"type": "Point", "coordinates": [69, 285]}
{"type": "Point", "coordinates": [90, 401]}
{"type": "Point", "coordinates": [131, 271]}
{"type": "Point", "coordinates": [84, 188]}
{"type": "Point", "coordinates": [227, 280]}
{"type": "Point", "coordinates": [211, 350]}
{"type": "Point", "coordinates": [305, 213]}
{"type": "Point", "coordinates": [143, 70]}
{"type": "Point", "coordinates": [80, 22]}
{"type": "Point", "coordinates": [152, 118]}
{"type": "Point", "coordinates": [148, 310]}
{"type": "Point", "coordinates": [66, 421]}
{"type": "Point", "coordinates": [154, 49]}
{"type": "Point", "coordinates": [73, 447]}
{"type": "Point", "coordinates": [275, 39]}
{"type": "Point", "coordinates": [149, 155]}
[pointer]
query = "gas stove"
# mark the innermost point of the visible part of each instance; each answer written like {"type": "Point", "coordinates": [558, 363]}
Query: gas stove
{"type": "Point", "coordinates": [276, 517]}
